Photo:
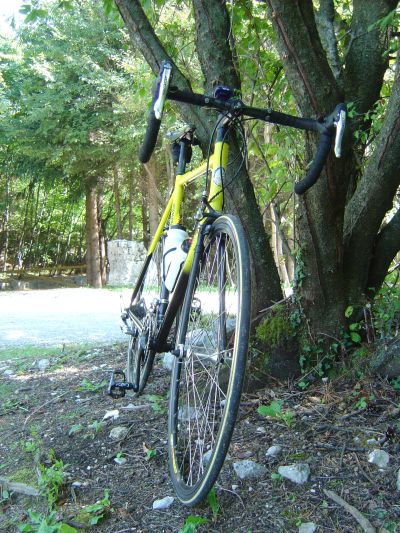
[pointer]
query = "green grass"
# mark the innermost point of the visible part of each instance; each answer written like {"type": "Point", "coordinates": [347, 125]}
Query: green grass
{"type": "Point", "coordinates": [28, 352]}
{"type": "Point", "coordinates": [41, 352]}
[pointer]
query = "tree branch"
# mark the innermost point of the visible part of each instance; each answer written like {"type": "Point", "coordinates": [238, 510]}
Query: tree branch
{"type": "Point", "coordinates": [386, 247]}
{"type": "Point", "coordinates": [143, 35]}
{"type": "Point", "coordinates": [303, 56]}
{"type": "Point", "coordinates": [213, 46]}
{"type": "Point", "coordinates": [373, 197]}
{"type": "Point", "coordinates": [325, 18]}
{"type": "Point", "coordinates": [366, 62]}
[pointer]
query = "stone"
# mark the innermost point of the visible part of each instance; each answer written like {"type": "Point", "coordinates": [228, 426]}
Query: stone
{"type": "Point", "coordinates": [43, 364]}
{"type": "Point", "coordinates": [248, 469]}
{"type": "Point", "coordinates": [168, 360]}
{"type": "Point", "coordinates": [207, 458]}
{"type": "Point", "coordinates": [120, 460]}
{"type": "Point", "coordinates": [307, 527]}
{"type": "Point", "coordinates": [380, 458]}
{"type": "Point", "coordinates": [398, 480]}
{"type": "Point", "coordinates": [8, 373]}
{"type": "Point", "coordinates": [386, 359]}
{"type": "Point", "coordinates": [164, 503]}
{"type": "Point", "coordinates": [274, 451]}
{"type": "Point", "coordinates": [114, 414]}
{"type": "Point", "coordinates": [125, 259]}
{"type": "Point", "coordinates": [118, 433]}
{"type": "Point", "coordinates": [297, 473]}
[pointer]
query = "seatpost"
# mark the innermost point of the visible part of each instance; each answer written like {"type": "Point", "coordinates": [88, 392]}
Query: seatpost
{"type": "Point", "coordinates": [184, 146]}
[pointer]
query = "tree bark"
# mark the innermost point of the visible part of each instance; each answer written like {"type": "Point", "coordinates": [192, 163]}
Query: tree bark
{"type": "Point", "coordinates": [6, 228]}
{"type": "Point", "coordinates": [152, 196]}
{"type": "Point", "coordinates": [117, 202]}
{"type": "Point", "coordinates": [93, 264]}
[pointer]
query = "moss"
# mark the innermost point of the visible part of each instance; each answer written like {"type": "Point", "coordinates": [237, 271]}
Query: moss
{"type": "Point", "coordinates": [25, 475]}
{"type": "Point", "coordinates": [276, 328]}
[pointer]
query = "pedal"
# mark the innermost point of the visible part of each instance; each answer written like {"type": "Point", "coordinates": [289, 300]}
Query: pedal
{"type": "Point", "coordinates": [118, 385]}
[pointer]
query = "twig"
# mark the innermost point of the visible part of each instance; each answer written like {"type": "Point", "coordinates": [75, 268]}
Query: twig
{"type": "Point", "coordinates": [364, 522]}
{"type": "Point", "coordinates": [232, 492]}
{"type": "Point", "coordinates": [363, 471]}
{"type": "Point", "coordinates": [46, 403]}
{"type": "Point", "coordinates": [353, 413]}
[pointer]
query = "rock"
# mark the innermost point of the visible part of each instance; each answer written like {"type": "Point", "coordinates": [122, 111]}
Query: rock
{"type": "Point", "coordinates": [118, 433]}
{"type": "Point", "coordinates": [114, 414]}
{"type": "Point", "coordinates": [274, 451]}
{"type": "Point", "coordinates": [249, 469]}
{"type": "Point", "coordinates": [380, 458]}
{"type": "Point", "coordinates": [168, 360]}
{"type": "Point", "coordinates": [125, 260]}
{"type": "Point", "coordinates": [307, 527]}
{"type": "Point", "coordinates": [386, 359]}
{"type": "Point", "coordinates": [8, 373]}
{"type": "Point", "coordinates": [120, 460]}
{"type": "Point", "coordinates": [164, 503]}
{"type": "Point", "coordinates": [43, 364]}
{"type": "Point", "coordinates": [372, 442]}
{"type": "Point", "coordinates": [398, 481]}
{"type": "Point", "coordinates": [207, 458]}
{"type": "Point", "coordinates": [76, 485]}
{"type": "Point", "coordinates": [298, 473]}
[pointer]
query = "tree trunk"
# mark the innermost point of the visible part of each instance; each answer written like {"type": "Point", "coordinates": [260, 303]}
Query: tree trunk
{"type": "Point", "coordinates": [93, 256]}
{"type": "Point", "coordinates": [144, 208]}
{"type": "Point", "coordinates": [6, 228]}
{"type": "Point", "coordinates": [117, 202]}
{"type": "Point", "coordinates": [152, 196]}
{"type": "Point", "coordinates": [340, 217]}
{"type": "Point", "coordinates": [131, 200]}
{"type": "Point", "coordinates": [102, 233]}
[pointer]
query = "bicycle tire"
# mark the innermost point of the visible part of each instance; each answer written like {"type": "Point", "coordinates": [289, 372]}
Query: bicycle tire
{"type": "Point", "coordinates": [140, 357]}
{"type": "Point", "coordinates": [207, 379]}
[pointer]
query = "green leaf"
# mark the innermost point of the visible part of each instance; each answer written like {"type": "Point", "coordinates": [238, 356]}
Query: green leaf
{"type": "Point", "coordinates": [355, 337]}
{"type": "Point", "coordinates": [272, 409]}
{"type": "Point", "coordinates": [65, 528]}
{"type": "Point", "coordinates": [349, 311]}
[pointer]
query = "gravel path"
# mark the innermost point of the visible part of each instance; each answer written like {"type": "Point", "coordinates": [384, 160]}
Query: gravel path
{"type": "Point", "coordinates": [58, 316]}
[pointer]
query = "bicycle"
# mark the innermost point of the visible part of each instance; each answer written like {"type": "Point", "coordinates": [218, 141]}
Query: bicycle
{"type": "Point", "coordinates": [192, 298]}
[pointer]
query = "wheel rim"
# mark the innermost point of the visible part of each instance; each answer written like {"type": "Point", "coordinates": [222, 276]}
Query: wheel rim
{"type": "Point", "coordinates": [203, 375]}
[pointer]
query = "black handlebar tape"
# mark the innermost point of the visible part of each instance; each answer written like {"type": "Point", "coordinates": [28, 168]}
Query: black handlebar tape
{"type": "Point", "coordinates": [317, 165]}
{"type": "Point", "coordinates": [150, 138]}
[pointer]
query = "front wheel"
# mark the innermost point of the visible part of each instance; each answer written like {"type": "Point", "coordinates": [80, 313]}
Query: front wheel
{"type": "Point", "coordinates": [207, 378]}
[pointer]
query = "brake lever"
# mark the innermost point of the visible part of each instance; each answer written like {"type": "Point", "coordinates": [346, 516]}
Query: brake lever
{"type": "Point", "coordinates": [162, 89]}
{"type": "Point", "coordinates": [340, 124]}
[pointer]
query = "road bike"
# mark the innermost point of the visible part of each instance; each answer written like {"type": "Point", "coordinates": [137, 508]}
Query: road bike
{"type": "Point", "coordinates": [192, 297]}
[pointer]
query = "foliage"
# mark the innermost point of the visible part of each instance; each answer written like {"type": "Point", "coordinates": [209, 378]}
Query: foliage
{"type": "Point", "coordinates": [98, 510]}
{"type": "Point", "coordinates": [40, 523]}
{"type": "Point", "coordinates": [191, 524]}
{"type": "Point", "coordinates": [274, 410]}
{"type": "Point", "coordinates": [52, 479]}
{"type": "Point", "coordinates": [213, 502]}
{"type": "Point", "coordinates": [88, 386]}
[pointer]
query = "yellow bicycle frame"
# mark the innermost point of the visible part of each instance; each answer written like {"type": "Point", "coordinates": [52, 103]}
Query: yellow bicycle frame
{"type": "Point", "coordinates": [217, 164]}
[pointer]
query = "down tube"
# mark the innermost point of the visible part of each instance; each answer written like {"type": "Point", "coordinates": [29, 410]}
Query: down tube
{"type": "Point", "coordinates": [178, 296]}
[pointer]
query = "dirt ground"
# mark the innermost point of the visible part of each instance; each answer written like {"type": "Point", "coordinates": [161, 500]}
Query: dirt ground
{"type": "Point", "coordinates": [52, 415]}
